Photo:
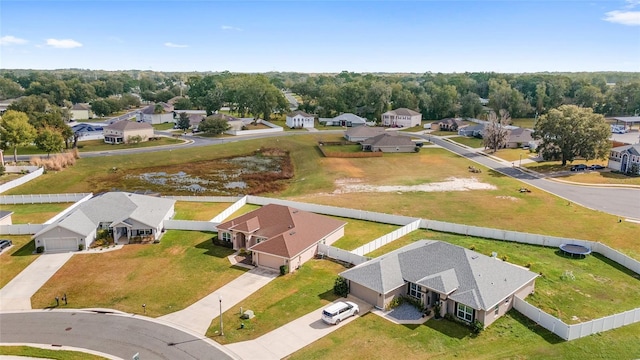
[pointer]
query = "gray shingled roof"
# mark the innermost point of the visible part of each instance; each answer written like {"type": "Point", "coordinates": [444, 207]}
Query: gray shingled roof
{"type": "Point", "coordinates": [631, 149]}
{"type": "Point", "coordinates": [128, 125]}
{"type": "Point", "coordinates": [404, 112]}
{"type": "Point", "coordinates": [4, 213]}
{"type": "Point", "coordinates": [388, 140]}
{"type": "Point", "coordinates": [471, 278]}
{"type": "Point", "coordinates": [113, 207]}
{"type": "Point", "coordinates": [298, 112]}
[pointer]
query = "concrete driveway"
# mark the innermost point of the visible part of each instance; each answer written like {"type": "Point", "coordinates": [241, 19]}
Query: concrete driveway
{"type": "Point", "coordinates": [293, 336]}
{"type": "Point", "coordinates": [16, 295]}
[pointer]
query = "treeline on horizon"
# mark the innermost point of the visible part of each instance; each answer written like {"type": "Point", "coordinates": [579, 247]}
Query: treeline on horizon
{"type": "Point", "coordinates": [435, 95]}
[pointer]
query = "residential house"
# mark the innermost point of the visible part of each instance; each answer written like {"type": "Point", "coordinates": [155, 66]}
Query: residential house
{"type": "Point", "coordinates": [344, 120]}
{"type": "Point", "coordinates": [389, 142]}
{"type": "Point", "coordinates": [448, 124]}
{"type": "Point", "coordinates": [125, 216]}
{"type": "Point", "coordinates": [122, 132]}
{"type": "Point", "coordinates": [625, 159]}
{"type": "Point", "coordinates": [361, 133]}
{"type": "Point", "coordinates": [401, 117]}
{"type": "Point", "coordinates": [159, 113]}
{"type": "Point", "coordinates": [519, 137]}
{"type": "Point", "coordinates": [300, 119]}
{"type": "Point", "coordinates": [5, 217]}
{"type": "Point", "coordinates": [457, 281]}
{"type": "Point", "coordinates": [471, 130]}
{"type": "Point", "coordinates": [280, 235]}
{"type": "Point", "coordinates": [81, 112]}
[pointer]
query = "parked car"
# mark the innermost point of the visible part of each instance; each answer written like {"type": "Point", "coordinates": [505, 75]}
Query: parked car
{"type": "Point", "coordinates": [339, 311]}
{"type": "Point", "coordinates": [5, 244]}
{"type": "Point", "coordinates": [579, 167]}
{"type": "Point", "coordinates": [596, 167]}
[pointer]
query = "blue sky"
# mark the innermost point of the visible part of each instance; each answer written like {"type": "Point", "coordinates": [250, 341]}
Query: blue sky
{"type": "Point", "coordinates": [322, 36]}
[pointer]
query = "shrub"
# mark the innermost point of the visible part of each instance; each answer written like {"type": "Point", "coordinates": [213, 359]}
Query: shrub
{"type": "Point", "coordinates": [528, 266]}
{"type": "Point", "coordinates": [2, 169]}
{"type": "Point", "coordinates": [477, 326]}
{"type": "Point", "coordinates": [415, 302]}
{"type": "Point", "coordinates": [284, 269]}
{"type": "Point", "coordinates": [80, 247]}
{"type": "Point", "coordinates": [216, 241]}
{"type": "Point", "coordinates": [504, 258]}
{"type": "Point", "coordinates": [40, 249]}
{"type": "Point", "coordinates": [397, 301]}
{"type": "Point", "coordinates": [472, 247]}
{"type": "Point", "coordinates": [341, 287]}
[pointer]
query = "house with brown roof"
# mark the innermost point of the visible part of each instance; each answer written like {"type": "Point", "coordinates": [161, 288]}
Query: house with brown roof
{"type": "Point", "coordinates": [401, 117]}
{"type": "Point", "coordinates": [361, 133]}
{"type": "Point", "coordinates": [280, 235]}
{"type": "Point", "coordinates": [300, 119]}
{"type": "Point", "coordinates": [124, 131]}
{"type": "Point", "coordinates": [389, 142]}
{"type": "Point", "coordinates": [448, 124]}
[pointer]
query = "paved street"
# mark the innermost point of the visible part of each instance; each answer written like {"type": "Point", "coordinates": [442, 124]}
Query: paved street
{"type": "Point", "coordinates": [118, 335]}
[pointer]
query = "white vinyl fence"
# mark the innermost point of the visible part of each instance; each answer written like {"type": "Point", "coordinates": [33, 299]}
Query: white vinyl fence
{"type": "Point", "coordinates": [17, 182]}
{"type": "Point", "coordinates": [190, 225]}
{"type": "Point", "coordinates": [342, 255]}
{"type": "Point", "coordinates": [21, 229]}
{"type": "Point", "coordinates": [230, 210]}
{"type": "Point", "coordinates": [41, 198]}
{"type": "Point", "coordinates": [69, 209]}
{"type": "Point", "coordinates": [384, 240]}
{"type": "Point", "coordinates": [218, 199]}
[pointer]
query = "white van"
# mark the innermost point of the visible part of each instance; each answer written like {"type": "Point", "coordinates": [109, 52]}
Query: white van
{"type": "Point", "coordinates": [339, 311]}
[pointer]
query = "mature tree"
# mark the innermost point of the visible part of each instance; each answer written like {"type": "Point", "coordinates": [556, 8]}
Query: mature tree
{"type": "Point", "coordinates": [589, 96]}
{"type": "Point", "coordinates": [101, 108]}
{"type": "Point", "coordinates": [164, 95]}
{"type": "Point", "coordinates": [495, 133]}
{"type": "Point", "coordinates": [183, 121]}
{"type": "Point", "coordinates": [570, 131]}
{"type": "Point", "coordinates": [128, 101]}
{"type": "Point", "coordinates": [470, 105]}
{"type": "Point", "coordinates": [213, 124]}
{"type": "Point", "coordinates": [9, 89]}
{"type": "Point", "coordinates": [49, 140]}
{"type": "Point", "coordinates": [502, 96]}
{"type": "Point", "coordinates": [441, 101]}
{"type": "Point", "coordinates": [15, 131]}
{"type": "Point", "coordinates": [183, 104]}
{"type": "Point", "coordinates": [30, 104]}
{"type": "Point", "coordinates": [206, 92]}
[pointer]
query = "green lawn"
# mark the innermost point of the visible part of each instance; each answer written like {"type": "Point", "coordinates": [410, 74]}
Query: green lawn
{"type": "Point", "coordinates": [575, 300]}
{"type": "Point", "coordinates": [469, 141]}
{"type": "Point", "coordinates": [359, 232]}
{"type": "Point", "coordinates": [183, 268]}
{"type": "Point", "coordinates": [100, 145]}
{"type": "Point", "coordinates": [513, 336]}
{"type": "Point", "coordinates": [527, 123]}
{"type": "Point", "coordinates": [34, 213]}
{"type": "Point", "coordinates": [328, 149]}
{"type": "Point", "coordinates": [5, 178]}
{"type": "Point", "coordinates": [283, 300]}
{"type": "Point", "coordinates": [513, 155]}
{"type": "Point", "coordinates": [201, 211]}
{"type": "Point", "coordinates": [17, 258]}
{"type": "Point", "coordinates": [164, 126]}
{"type": "Point", "coordinates": [47, 354]}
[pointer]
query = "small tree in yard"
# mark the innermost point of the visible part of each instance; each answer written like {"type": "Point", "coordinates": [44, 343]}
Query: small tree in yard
{"type": "Point", "coordinates": [183, 121]}
{"type": "Point", "coordinates": [341, 287]}
{"type": "Point", "coordinates": [49, 140]}
{"type": "Point", "coordinates": [213, 125]}
{"type": "Point", "coordinates": [495, 133]}
{"type": "Point", "coordinates": [15, 130]}
{"type": "Point", "coordinates": [134, 139]}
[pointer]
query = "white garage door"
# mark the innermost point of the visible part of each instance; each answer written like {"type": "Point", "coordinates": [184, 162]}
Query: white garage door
{"type": "Point", "coordinates": [61, 244]}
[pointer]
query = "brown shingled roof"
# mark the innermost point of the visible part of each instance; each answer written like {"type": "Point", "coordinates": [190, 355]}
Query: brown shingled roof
{"type": "Point", "coordinates": [288, 230]}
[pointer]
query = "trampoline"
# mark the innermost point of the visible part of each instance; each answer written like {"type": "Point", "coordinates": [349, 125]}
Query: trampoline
{"type": "Point", "coordinates": [575, 250]}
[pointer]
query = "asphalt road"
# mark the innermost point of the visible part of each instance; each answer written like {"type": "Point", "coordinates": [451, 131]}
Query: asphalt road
{"type": "Point", "coordinates": [623, 202]}
{"type": "Point", "coordinates": [118, 335]}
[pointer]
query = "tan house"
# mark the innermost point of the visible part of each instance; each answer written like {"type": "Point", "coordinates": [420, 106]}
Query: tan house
{"type": "Point", "coordinates": [389, 142]}
{"type": "Point", "coordinates": [159, 113]}
{"type": "Point", "coordinates": [442, 276]}
{"type": "Point", "coordinates": [122, 132]}
{"type": "Point", "coordinates": [361, 133]}
{"type": "Point", "coordinates": [5, 217]}
{"type": "Point", "coordinates": [81, 112]}
{"type": "Point", "coordinates": [448, 124]}
{"type": "Point", "coordinates": [401, 117]}
{"type": "Point", "coordinates": [280, 235]}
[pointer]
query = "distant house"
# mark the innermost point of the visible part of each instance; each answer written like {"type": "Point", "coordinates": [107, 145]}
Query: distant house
{"type": "Point", "coordinates": [461, 282]}
{"type": "Point", "coordinates": [471, 130]}
{"type": "Point", "coordinates": [122, 132]}
{"type": "Point", "coordinates": [401, 117]}
{"type": "Point", "coordinates": [448, 124]}
{"type": "Point", "coordinates": [389, 142]}
{"type": "Point", "coordinates": [5, 217]}
{"type": "Point", "coordinates": [125, 216]}
{"type": "Point", "coordinates": [519, 137]}
{"type": "Point", "coordinates": [361, 133]}
{"type": "Point", "coordinates": [280, 235]}
{"type": "Point", "coordinates": [300, 119]}
{"type": "Point", "coordinates": [151, 115]}
{"type": "Point", "coordinates": [344, 120]}
{"type": "Point", "coordinates": [625, 159]}
{"type": "Point", "coordinates": [81, 112]}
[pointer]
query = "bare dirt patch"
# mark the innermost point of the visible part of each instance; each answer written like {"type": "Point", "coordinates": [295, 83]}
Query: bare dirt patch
{"type": "Point", "coordinates": [511, 198]}
{"type": "Point", "coordinates": [451, 184]}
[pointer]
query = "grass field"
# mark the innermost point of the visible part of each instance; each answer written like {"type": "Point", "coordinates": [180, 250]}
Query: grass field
{"type": "Point", "coordinates": [34, 213]}
{"type": "Point", "coordinates": [164, 126]}
{"type": "Point", "coordinates": [17, 258]}
{"type": "Point", "coordinates": [201, 211]}
{"type": "Point", "coordinates": [5, 178]}
{"type": "Point", "coordinates": [469, 141]}
{"type": "Point", "coordinates": [513, 155]}
{"type": "Point", "coordinates": [47, 354]}
{"type": "Point", "coordinates": [527, 123]}
{"type": "Point", "coordinates": [358, 233]}
{"type": "Point", "coordinates": [100, 145]}
{"type": "Point", "coordinates": [183, 268]}
{"type": "Point", "coordinates": [573, 300]}
{"type": "Point", "coordinates": [282, 300]}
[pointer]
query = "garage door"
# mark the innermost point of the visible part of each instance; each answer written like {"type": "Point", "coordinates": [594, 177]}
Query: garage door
{"type": "Point", "coordinates": [364, 293]}
{"type": "Point", "coordinates": [61, 244]}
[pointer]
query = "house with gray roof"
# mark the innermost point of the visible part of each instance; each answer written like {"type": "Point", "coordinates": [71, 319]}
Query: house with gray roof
{"type": "Point", "coordinates": [159, 113]}
{"type": "Point", "coordinates": [125, 216]}
{"type": "Point", "coordinates": [361, 133]}
{"type": "Point", "coordinates": [300, 120]}
{"type": "Point", "coordinates": [124, 131]}
{"type": "Point", "coordinates": [461, 282]}
{"type": "Point", "coordinates": [625, 159]}
{"type": "Point", "coordinates": [401, 117]}
{"type": "Point", "coordinates": [389, 142]}
{"type": "Point", "coordinates": [344, 120]}
{"type": "Point", "coordinates": [5, 217]}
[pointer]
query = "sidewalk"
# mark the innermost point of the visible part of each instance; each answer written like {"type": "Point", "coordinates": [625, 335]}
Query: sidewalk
{"type": "Point", "coordinates": [16, 295]}
{"type": "Point", "coordinates": [293, 336]}
{"type": "Point", "coordinates": [198, 316]}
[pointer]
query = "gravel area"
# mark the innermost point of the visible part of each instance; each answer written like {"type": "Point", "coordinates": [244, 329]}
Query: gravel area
{"type": "Point", "coordinates": [405, 312]}
{"type": "Point", "coordinates": [451, 184]}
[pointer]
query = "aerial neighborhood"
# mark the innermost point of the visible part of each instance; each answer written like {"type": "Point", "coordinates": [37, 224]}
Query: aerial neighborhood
{"type": "Point", "coordinates": [440, 199]}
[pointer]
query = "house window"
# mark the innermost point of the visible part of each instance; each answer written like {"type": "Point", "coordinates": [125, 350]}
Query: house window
{"type": "Point", "coordinates": [496, 310]}
{"type": "Point", "coordinates": [226, 236]}
{"type": "Point", "coordinates": [465, 312]}
{"type": "Point", "coordinates": [414, 290]}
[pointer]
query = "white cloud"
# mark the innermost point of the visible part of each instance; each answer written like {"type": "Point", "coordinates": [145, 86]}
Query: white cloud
{"type": "Point", "coordinates": [227, 28]}
{"type": "Point", "coordinates": [63, 43]}
{"type": "Point", "coordinates": [12, 40]}
{"type": "Point", "coordinates": [172, 45]}
{"type": "Point", "coordinates": [631, 18]}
